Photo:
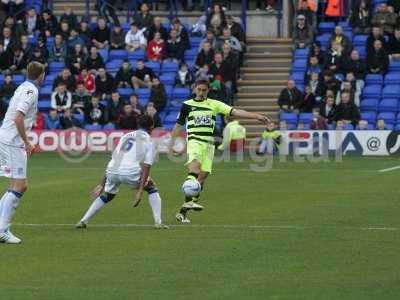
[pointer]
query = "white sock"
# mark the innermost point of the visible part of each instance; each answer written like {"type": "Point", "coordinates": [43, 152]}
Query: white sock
{"type": "Point", "coordinates": [9, 205]}
{"type": "Point", "coordinates": [97, 204]}
{"type": "Point", "coordinates": [155, 203]}
{"type": "Point", "coordinates": [1, 201]}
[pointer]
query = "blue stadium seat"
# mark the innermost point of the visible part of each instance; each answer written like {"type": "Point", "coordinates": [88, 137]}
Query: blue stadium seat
{"type": "Point", "coordinates": [291, 126]}
{"type": "Point", "coordinates": [104, 54]}
{"type": "Point", "coordinates": [392, 78]}
{"type": "Point", "coordinates": [175, 105]}
{"type": "Point", "coordinates": [362, 51]}
{"type": "Point", "coordinates": [360, 40]}
{"type": "Point", "coordinates": [169, 89]}
{"type": "Point", "coordinates": [394, 66]}
{"type": "Point", "coordinates": [348, 33]}
{"type": "Point", "coordinates": [45, 92]}
{"type": "Point", "coordinates": [299, 65]}
{"type": "Point", "coordinates": [301, 53]}
{"type": "Point", "coordinates": [324, 40]}
{"type": "Point", "coordinates": [171, 117]}
{"type": "Point", "coordinates": [126, 26]}
{"type": "Point", "coordinates": [388, 105]}
{"type": "Point", "coordinates": [191, 54]}
{"type": "Point", "coordinates": [168, 79]}
{"type": "Point", "coordinates": [18, 79]}
{"type": "Point", "coordinates": [80, 118]}
{"type": "Point", "coordinates": [331, 126]}
{"type": "Point", "coordinates": [109, 126]}
{"type": "Point", "coordinates": [391, 91]}
{"type": "Point", "coordinates": [170, 67]}
{"type": "Point", "coordinates": [93, 127]}
{"type": "Point", "coordinates": [195, 41]}
{"type": "Point", "coordinates": [118, 54]}
{"type": "Point", "coordinates": [155, 66]}
{"type": "Point", "coordinates": [143, 94]}
{"type": "Point", "coordinates": [326, 27]}
{"type": "Point", "coordinates": [56, 67]}
{"type": "Point", "coordinates": [372, 79]}
{"type": "Point", "coordinates": [348, 127]}
{"type": "Point", "coordinates": [290, 118]}
{"type": "Point", "coordinates": [339, 77]}
{"type": "Point", "coordinates": [181, 93]}
{"type": "Point", "coordinates": [389, 126]}
{"type": "Point", "coordinates": [138, 54]}
{"type": "Point", "coordinates": [298, 77]}
{"type": "Point", "coordinates": [113, 65]}
{"type": "Point", "coordinates": [369, 104]}
{"type": "Point", "coordinates": [305, 118]}
{"type": "Point", "coordinates": [397, 127]}
{"type": "Point", "coordinates": [388, 117]}
{"type": "Point", "coordinates": [345, 25]}
{"type": "Point", "coordinates": [372, 91]}
{"type": "Point", "coordinates": [370, 117]}
{"type": "Point", "coordinates": [48, 80]}
{"type": "Point", "coordinates": [44, 105]}
{"type": "Point", "coordinates": [125, 93]}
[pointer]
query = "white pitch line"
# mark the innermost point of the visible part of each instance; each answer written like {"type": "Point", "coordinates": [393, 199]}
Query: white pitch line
{"type": "Point", "coordinates": [389, 169]}
{"type": "Point", "coordinates": [224, 226]}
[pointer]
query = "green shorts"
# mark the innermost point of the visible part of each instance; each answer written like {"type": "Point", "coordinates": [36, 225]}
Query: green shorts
{"type": "Point", "coordinates": [202, 152]}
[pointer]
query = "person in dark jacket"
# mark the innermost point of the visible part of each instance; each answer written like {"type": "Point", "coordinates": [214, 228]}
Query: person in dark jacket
{"type": "Point", "coordinates": [101, 35]}
{"type": "Point", "coordinates": [175, 49]}
{"type": "Point", "coordinates": [290, 97]}
{"type": "Point", "coordinates": [338, 37]}
{"type": "Point", "coordinates": [95, 112]}
{"type": "Point", "coordinates": [308, 102]}
{"type": "Point", "coordinates": [8, 88]}
{"type": "Point", "coordinates": [216, 19]}
{"type": "Point", "coordinates": [76, 60]}
{"type": "Point", "coordinates": [67, 120]}
{"type": "Point", "coordinates": [152, 112]}
{"type": "Point", "coordinates": [105, 84]}
{"type": "Point", "coordinates": [184, 78]}
{"type": "Point", "coordinates": [378, 59]}
{"type": "Point", "coordinates": [47, 24]}
{"type": "Point", "coordinates": [157, 27]}
{"type": "Point", "coordinates": [376, 34]}
{"type": "Point", "coordinates": [123, 79]}
{"type": "Point", "coordinates": [360, 18]}
{"type": "Point", "coordinates": [335, 58]}
{"type": "Point", "coordinates": [94, 60]}
{"type": "Point", "coordinates": [236, 29]}
{"type": "Point", "coordinates": [144, 19]}
{"type": "Point", "coordinates": [205, 56]}
{"type": "Point", "coordinates": [114, 107]}
{"type": "Point", "coordinates": [182, 33]}
{"type": "Point", "coordinates": [142, 76]}
{"type": "Point", "coordinates": [394, 44]}
{"type": "Point", "coordinates": [302, 33]}
{"type": "Point", "coordinates": [128, 119]}
{"type": "Point", "coordinates": [356, 65]}
{"type": "Point", "coordinates": [158, 95]}
{"type": "Point", "coordinates": [347, 111]}
{"type": "Point", "coordinates": [67, 78]}
{"type": "Point", "coordinates": [117, 38]}
{"type": "Point", "coordinates": [327, 108]}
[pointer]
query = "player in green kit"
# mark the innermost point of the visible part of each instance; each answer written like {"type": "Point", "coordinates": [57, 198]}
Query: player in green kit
{"type": "Point", "coordinates": [199, 115]}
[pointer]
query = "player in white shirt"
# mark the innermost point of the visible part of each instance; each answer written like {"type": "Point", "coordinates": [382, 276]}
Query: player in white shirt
{"type": "Point", "coordinates": [15, 146]}
{"type": "Point", "coordinates": [130, 164]}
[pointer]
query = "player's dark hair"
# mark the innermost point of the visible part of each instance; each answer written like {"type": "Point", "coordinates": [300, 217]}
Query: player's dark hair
{"type": "Point", "coordinates": [201, 81]}
{"type": "Point", "coordinates": [34, 70]}
{"type": "Point", "coordinates": [146, 122]}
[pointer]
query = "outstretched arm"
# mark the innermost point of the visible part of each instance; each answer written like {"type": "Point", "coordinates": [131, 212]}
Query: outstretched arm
{"type": "Point", "coordinates": [174, 135]}
{"type": "Point", "coordinates": [19, 123]}
{"type": "Point", "coordinates": [142, 185]}
{"type": "Point", "coordinates": [249, 115]}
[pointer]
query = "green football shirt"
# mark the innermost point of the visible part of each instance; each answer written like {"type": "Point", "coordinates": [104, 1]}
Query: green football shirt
{"type": "Point", "coordinates": [200, 117]}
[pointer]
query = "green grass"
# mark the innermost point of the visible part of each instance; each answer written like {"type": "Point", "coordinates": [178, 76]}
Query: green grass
{"type": "Point", "coordinates": [299, 231]}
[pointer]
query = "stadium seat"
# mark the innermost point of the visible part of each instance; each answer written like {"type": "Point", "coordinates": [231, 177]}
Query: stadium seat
{"type": "Point", "coordinates": [388, 105]}
{"type": "Point", "coordinates": [169, 67]}
{"type": "Point", "coordinates": [168, 79]}
{"type": "Point", "coordinates": [56, 67]}
{"type": "Point", "coordinates": [113, 65]}
{"type": "Point", "coordinates": [301, 53]}
{"type": "Point", "coordinates": [369, 104]}
{"type": "Point", "coordinates": [191, 54]}
{"type": "Point", "coordinates": [104, 54]}
{"type": "Point", "coordinates": [298, 77]}
{"type": "Point", "coordinates": [389, 126]}
{"type": "Point", "coordinates": [45, 92]}
{"type": "Point", "coordinates": [331, 126]}
{"type": "Point", "coordinates": [391, 91]}
{"type": "Point", "coordinates": [372, 91]}
{"type": "Point", "coordinates": [175, 105]}
{"type": "Point", "coordinates": [180, 93]}
{"type": "Point", "coordinates": [138, 54]}
{"type": "Point", "coordinates": [372, 79]}
{"type": "Point", "coordinates": [362, 51]}
{"type": "Point", "coordinates": [118, 54]}
{"type": "Point", "coordinates": [305, 118]}
{"type": "Point", "coordinates": [155, 66]}
{"type": "Point", "coordinates": [370, 117]}
{"type": "Point", "coordinates": [299, 65]}
{"type": "Point", "coordinates": [392, 78]}
{"type": "Point", "coordinates": [348, 127]}
{"type": "Point", "coordinates": [360, 40]}
{"type": "Point", "coordinates": [80, 118]}
{"type": "Point", "coordinates": [125, 92]}
{"type": "Point", "coordinates": [93, 127]}
{"type": "Point", "coordinates": [289, 118]}
{"type": "Point", "coordinates": [345, 25]}
{"type": "Point", "coordinates": [48, 80]}
{"type": "Point", "coordinates": [326, 27]}
{"type": "Point", "coordinates": [324, 40]}
{"type": "Point", "coordinates": [397, 127]}
{"type": "Point", "coordinates": [169, 90]}
{"type": "Point", "coordinates": [143, 94]}
{"type": "Point", "coordinates": [195, 42]}
{"type": "Point", "coordinates": [44, 105]}
{"type": "Point", "coordinates": [109, 126]}
{"type": "Point", "coordinates": [394, 66]}
{"type": "Point", "coordinates": [388, 117]}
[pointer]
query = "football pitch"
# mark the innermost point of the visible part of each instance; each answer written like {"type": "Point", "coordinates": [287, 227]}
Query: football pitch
{"type": "Point", "coordinates": [300, 231]}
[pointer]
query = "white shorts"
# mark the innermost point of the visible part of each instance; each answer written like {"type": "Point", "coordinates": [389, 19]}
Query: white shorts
{"type": "Point", "coordinates": [13, 162]}
{"type": "Point", "coordinates": [113, 181]}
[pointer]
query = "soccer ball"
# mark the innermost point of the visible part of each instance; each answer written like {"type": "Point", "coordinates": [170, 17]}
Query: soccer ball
{"type": "Point", "coordinates": [191, 188]}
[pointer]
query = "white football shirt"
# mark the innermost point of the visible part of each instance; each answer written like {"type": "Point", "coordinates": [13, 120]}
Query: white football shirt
{"type": "Point", "coordinates": [134, 148]}
{"type": "Point", "coordinates": [25, 100]}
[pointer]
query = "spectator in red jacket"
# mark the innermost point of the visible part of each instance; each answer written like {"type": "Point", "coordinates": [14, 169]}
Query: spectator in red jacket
{"type": "Point", "coordinates": [88, 80]}
{"type": "Point", "coordinates": [156, 48]}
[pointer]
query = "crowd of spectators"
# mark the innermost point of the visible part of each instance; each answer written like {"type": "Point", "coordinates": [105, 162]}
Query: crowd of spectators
{"type": "Point", "coordinates": [336, 74]}
{"type": "Point", "coordinates": [85, 92]}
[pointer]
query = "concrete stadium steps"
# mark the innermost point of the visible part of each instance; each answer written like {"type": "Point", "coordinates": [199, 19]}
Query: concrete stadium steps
{"type": "Point", "coordinates": [267, 65]}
